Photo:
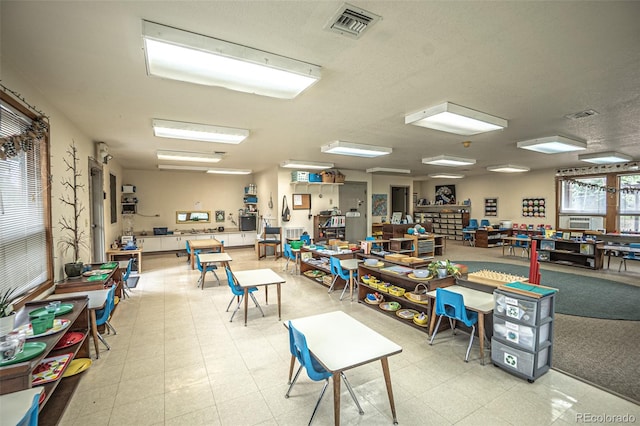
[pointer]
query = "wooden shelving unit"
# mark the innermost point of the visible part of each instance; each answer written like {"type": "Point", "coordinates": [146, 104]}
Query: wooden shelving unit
{"type": "Point", "coordinates": [491, 238]}
{"type": "Point", "coordinates": [322, 232]}
{"type": "Point", "coordinates": [447, 220]}
{"type": "Point", "coordinates": [571, 253]}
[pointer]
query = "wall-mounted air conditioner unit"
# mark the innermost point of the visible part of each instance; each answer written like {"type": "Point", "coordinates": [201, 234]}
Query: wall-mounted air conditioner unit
{"type": "Point", "coordinates": [579, 222]}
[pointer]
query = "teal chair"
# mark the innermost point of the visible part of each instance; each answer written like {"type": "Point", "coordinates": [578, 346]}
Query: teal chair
{"type": "Point", "coordinates": [189, 251]}
{"type": "Point", "coordinates": [451, 305]}
{"type": "Point", "coordinates": [102, 315]}
{"type": "Point", "coordinates": [522, 244]}
{"type": "Point", "coordinates": [337, 271]}
{"type": "Point", "coordinates": [127, 273]}
{"type": "Point", "coordinates": [31, 416]}
{"type": "Point", "coordinates": [306, 239]}
{"type": "Point", "coordinates": [316, 372]}
{"type": "Point", "coordinates": [238, 292]}
{"type": "Point", "coordinates": [289, 255]}
{"type": "Point", "coordinates": [630, 256]}
{"type": "Point", "coordinates": [210, 268]}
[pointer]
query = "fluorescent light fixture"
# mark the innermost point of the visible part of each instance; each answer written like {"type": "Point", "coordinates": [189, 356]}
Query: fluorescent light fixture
{"type": "Point", "coordinates": [448, 160]}
{"type": "Point", "coordinates": [196, 157]}
{"type": "Point", "coordinates": [230, 171]}
{"type": "Point", "coordinates": [445, 176]}
{"type": "Point", "coordinates": [185, 56]}
{"type": "Point", "coordinates": [457, 119]}
{"type": "Point", "coordinates": [357, 150]}
{"type": "Point", "coordinates": [198, 132]}
{"type": "Point", "coordinates": [183, 168]}
{"type": "Point", "coordinates": [387, 170]}
{"type": "Point", "coordinates": [553, 145]}
{"type": "Point", "coordinates": [508, 168]}
{"type": "Point", "coordinates": [608, 157]}
{"type": "Point", "coordinates": [295, 164]}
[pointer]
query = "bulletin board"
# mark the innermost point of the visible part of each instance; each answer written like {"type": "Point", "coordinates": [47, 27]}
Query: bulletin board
{"type": "Point", "coordinates": [301, 201]}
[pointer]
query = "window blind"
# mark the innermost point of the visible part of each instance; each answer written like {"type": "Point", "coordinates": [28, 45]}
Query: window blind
{"type": "Point", "coordinates": [23, 243]}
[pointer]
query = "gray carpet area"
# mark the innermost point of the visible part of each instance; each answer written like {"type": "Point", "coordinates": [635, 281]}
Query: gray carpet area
{"type": "Point", "coordinates": [602, 352]}
{"type": "Point", "coordinates": [579, 295]}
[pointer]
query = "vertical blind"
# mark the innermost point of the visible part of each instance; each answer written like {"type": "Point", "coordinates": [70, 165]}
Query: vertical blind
{"type": "Point", "coordinates": [23, 242]}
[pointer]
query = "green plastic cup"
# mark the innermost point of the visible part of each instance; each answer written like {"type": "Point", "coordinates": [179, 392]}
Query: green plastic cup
{"type": "Point", "coordinates": [39, 324]}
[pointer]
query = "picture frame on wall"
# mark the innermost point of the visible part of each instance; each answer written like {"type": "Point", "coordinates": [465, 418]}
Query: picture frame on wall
{"type": "Point", "coordinates": [445, 194]}
{"type": "Point", "coordinates": [534, 207]}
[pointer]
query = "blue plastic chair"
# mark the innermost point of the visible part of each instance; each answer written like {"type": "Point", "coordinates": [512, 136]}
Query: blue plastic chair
{"type": "Point", "coordinates": [189, 251]}
{"type": "Point", "coordinates": [31, 416]}
{"type": "Point", "coordinates": [102, 315]}
{"type": "Point", "coordinates": [451, 305]}
{"type": "Point", "coordinates": [127, 273]}
{"type": "Point", "coordinates": [630, 256]}
{"type": "Point", "coordinates": [210, 268]}
{"type": "Point", "coordinates": [337, 271]}
{"type": "Point", "coordinates": [523, 244]}
{"type": "Point", "coordinates": [485, 223]}
{"type": "Point", "coordinates": [289, 255]}
{"type": "Point", "coordinates": [306, 239]}
{"type": "Point", "coordinates": [373, 246]}
{"type": "Point", "coordinates": [239, 293]}
{"type": "Point", "coordinates": [473, 224]}
{"type": "Point", "coordinates": [316, 372]}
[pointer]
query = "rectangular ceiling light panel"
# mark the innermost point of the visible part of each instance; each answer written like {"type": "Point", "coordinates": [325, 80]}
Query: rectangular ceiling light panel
{"type": "Point", "coordinates": [445, 176]}
{"type": "Point", "coordinates": [356, 150]}
{"type": "Point", "coordinates": [295, 164]}
{"type": "Point", "coordinates": [196, 157]}
{"type": "Point", "coordinates": [230, 171]}
{"type": "Point", "coordinates": [448, 160]}
{"type": "Point", "coordinates": [553, 145]}
{"type": "Point", "coordinates": [198, 132]}
{"type": "Point", "coordinates": [456, 119]}
{"type": "Point", "coordinates": [387, 170]}
{"type": "Point", "coordinates": [185, 56]}
{"type": "Point", "coordinates": [508, 168]}
{"type": "Point", "coordinates": [609, 157]}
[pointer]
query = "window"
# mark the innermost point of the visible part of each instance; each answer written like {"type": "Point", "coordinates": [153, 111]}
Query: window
{"type": "Point", "coordinates": [629, 212]}
{"type": "Point", "coordinates": [584, 196]}
{"type": "Point", "coordinates": [25, 261]}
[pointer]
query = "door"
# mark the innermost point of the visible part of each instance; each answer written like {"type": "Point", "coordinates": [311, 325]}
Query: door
{"type": "Point", "coordinates": [96, 189]}
{"type": "Point", "coordinates": [353, 204]}
{"type": "Point", "coordinates": [400, 200]}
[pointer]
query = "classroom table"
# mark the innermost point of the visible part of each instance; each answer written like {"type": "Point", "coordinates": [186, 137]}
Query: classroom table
{"type": "Point", "coordinates": [510, 242]}
{"type": "Point", "coordinates": [256, 278]}
{"type": "Point", "coordinates": [15, 405]}
{"type": "Point", "coordinates": [113, 254]}
{"type": "Point", "coordinates": [611, 249]}
{"type": "Point", "coordinates": [207, 244]}
{"type": "Point", "coordinates": [340, 342]}
{"type": "Point", "coordinates": [350, 265]}
{"type": "Point", "coordinates": [209, 258]}
{"type": "Point", "coordinates": [97, 300]}
{"type": "Point", "coordinates": [474, 300]}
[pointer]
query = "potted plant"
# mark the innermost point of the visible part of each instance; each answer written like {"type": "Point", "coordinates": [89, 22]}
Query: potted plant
{"type": "Point", "coordinates": [443, 268]}
{"type": "Point", "coordinates": [74, 237]}
{"type": "Point", "coordinates": [7, 317]}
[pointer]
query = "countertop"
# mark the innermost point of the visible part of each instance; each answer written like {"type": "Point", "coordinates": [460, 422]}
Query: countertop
{"type": "Point", "coordinates": [189, 233]}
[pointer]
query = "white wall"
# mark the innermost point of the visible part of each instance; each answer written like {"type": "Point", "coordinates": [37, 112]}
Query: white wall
{"type": "Point", "coordinates": [510, 189]}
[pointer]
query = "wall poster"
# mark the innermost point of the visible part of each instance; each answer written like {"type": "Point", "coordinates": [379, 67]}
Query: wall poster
{"type": "Point", "coordinates": [533, 207]}
{"type": "Point", "coordinates": [445, 194]}
{"type": "Point", "coordinates": [491, 207]}
{"type": "Point", "coordinates": [379, 204]}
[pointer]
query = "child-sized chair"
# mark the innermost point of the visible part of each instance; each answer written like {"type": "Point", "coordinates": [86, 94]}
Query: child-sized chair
{"type": "Point", "coordinates": [451, 305]}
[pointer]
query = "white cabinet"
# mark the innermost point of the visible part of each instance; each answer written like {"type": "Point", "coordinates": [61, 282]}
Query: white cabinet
{"type": "Point", "coordinates": [149, 244]}
{"type": "Point", "coordinates": [236, 239]}
{"type": "Point", "coordinates": [174, 242]}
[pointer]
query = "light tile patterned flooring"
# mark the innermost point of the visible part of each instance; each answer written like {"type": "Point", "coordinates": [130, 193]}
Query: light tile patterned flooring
{"type": "Point", "coordinates": [177, 360]}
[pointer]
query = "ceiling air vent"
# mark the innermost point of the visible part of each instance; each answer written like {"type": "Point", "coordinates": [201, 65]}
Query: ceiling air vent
{"type": "Point", "coordinates": [351, 21]}
{"type": "Point", "coordinates": [581, 114]}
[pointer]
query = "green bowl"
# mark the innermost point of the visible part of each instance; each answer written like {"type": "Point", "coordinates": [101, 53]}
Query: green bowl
{"type": "Point", "coordinates": [296, 244]}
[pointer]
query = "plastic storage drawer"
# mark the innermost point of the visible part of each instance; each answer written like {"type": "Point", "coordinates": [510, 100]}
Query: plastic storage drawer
{"type": "Point", "coordinates": [520, 362]}
{"type": "Point", "coordinates": [530, 338]}
{"type": "Point", "coordinates": [521, 308]}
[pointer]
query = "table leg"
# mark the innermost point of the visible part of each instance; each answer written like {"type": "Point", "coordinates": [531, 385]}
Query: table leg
{"type": "Point", "coordinates": [246, 304]}
{"type": "Point", "coordinates": [351, 284]}
{"type": "Point", "coordinates": [203, 274]}
{"type": "Point", "coordinates": [266, 294]}
{"type": "Point", "coordinates": [336, 398]}
{"type": "Point", "coordinates": [432, 323]}
{"type": "Point", "coordinates": [94, 331]}
{"type": "Point", "coordinates": [387, 381]}
{"type": "Point", "coordinates": [140, 262]}
{"type": "Point", "coordinates": [481, 335]}
{"type": "Point", "coordinates": [279, 304]}
{"type": "Point", "coordinates": [193, 259]}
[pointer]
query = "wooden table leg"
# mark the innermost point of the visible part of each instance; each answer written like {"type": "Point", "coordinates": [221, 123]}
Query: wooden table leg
{"type": "Point", "coordinates": [266, 294]}
{"type": "Point", "coordinates": [481, 335]}
{"type": "Point", "coordinates": [336, 398]}
{"type": "Point", "coordinates": [387, 381]}
{"type": "Point", "coordinates": [140, 262]}
{"type": "Point", "coordinates": [279, 304]}
{"type": "Point", "coordinates": [351, 284]}
{"type": "Point", "coordinates": [192, 256]}
{"type": "Point", "coordinates": [246, 304]}
{"type": "Point", "coordinates": [94, 331]}
{"type": "Point", "coordinates": [203, 274]}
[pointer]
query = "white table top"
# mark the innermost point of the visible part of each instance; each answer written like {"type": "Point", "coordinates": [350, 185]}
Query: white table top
{"type": "Point", "coordinates": [97, 298]}
{"type": "Point", "coordinates": [256, 277]}
{"type": "Point", "coordinates": [473, 299]}
{"type": "Point", "coordinates": [350, 264]}
{"type": "Point", "coordinates": [214, 257]}
{"type": "Point", "coordinates": [339, 342]}
{"type": "Point", "coordinates": [16, 404]}
{"type": "Point", "coordinates": [625, 249]}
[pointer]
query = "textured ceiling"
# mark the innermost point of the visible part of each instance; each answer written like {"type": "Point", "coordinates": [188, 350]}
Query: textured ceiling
{"type": "Point", "coordinates": [531, 63]}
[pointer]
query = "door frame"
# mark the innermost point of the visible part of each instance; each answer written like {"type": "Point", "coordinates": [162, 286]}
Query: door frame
{"type": "Point", "coordinates": [96, 210]}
